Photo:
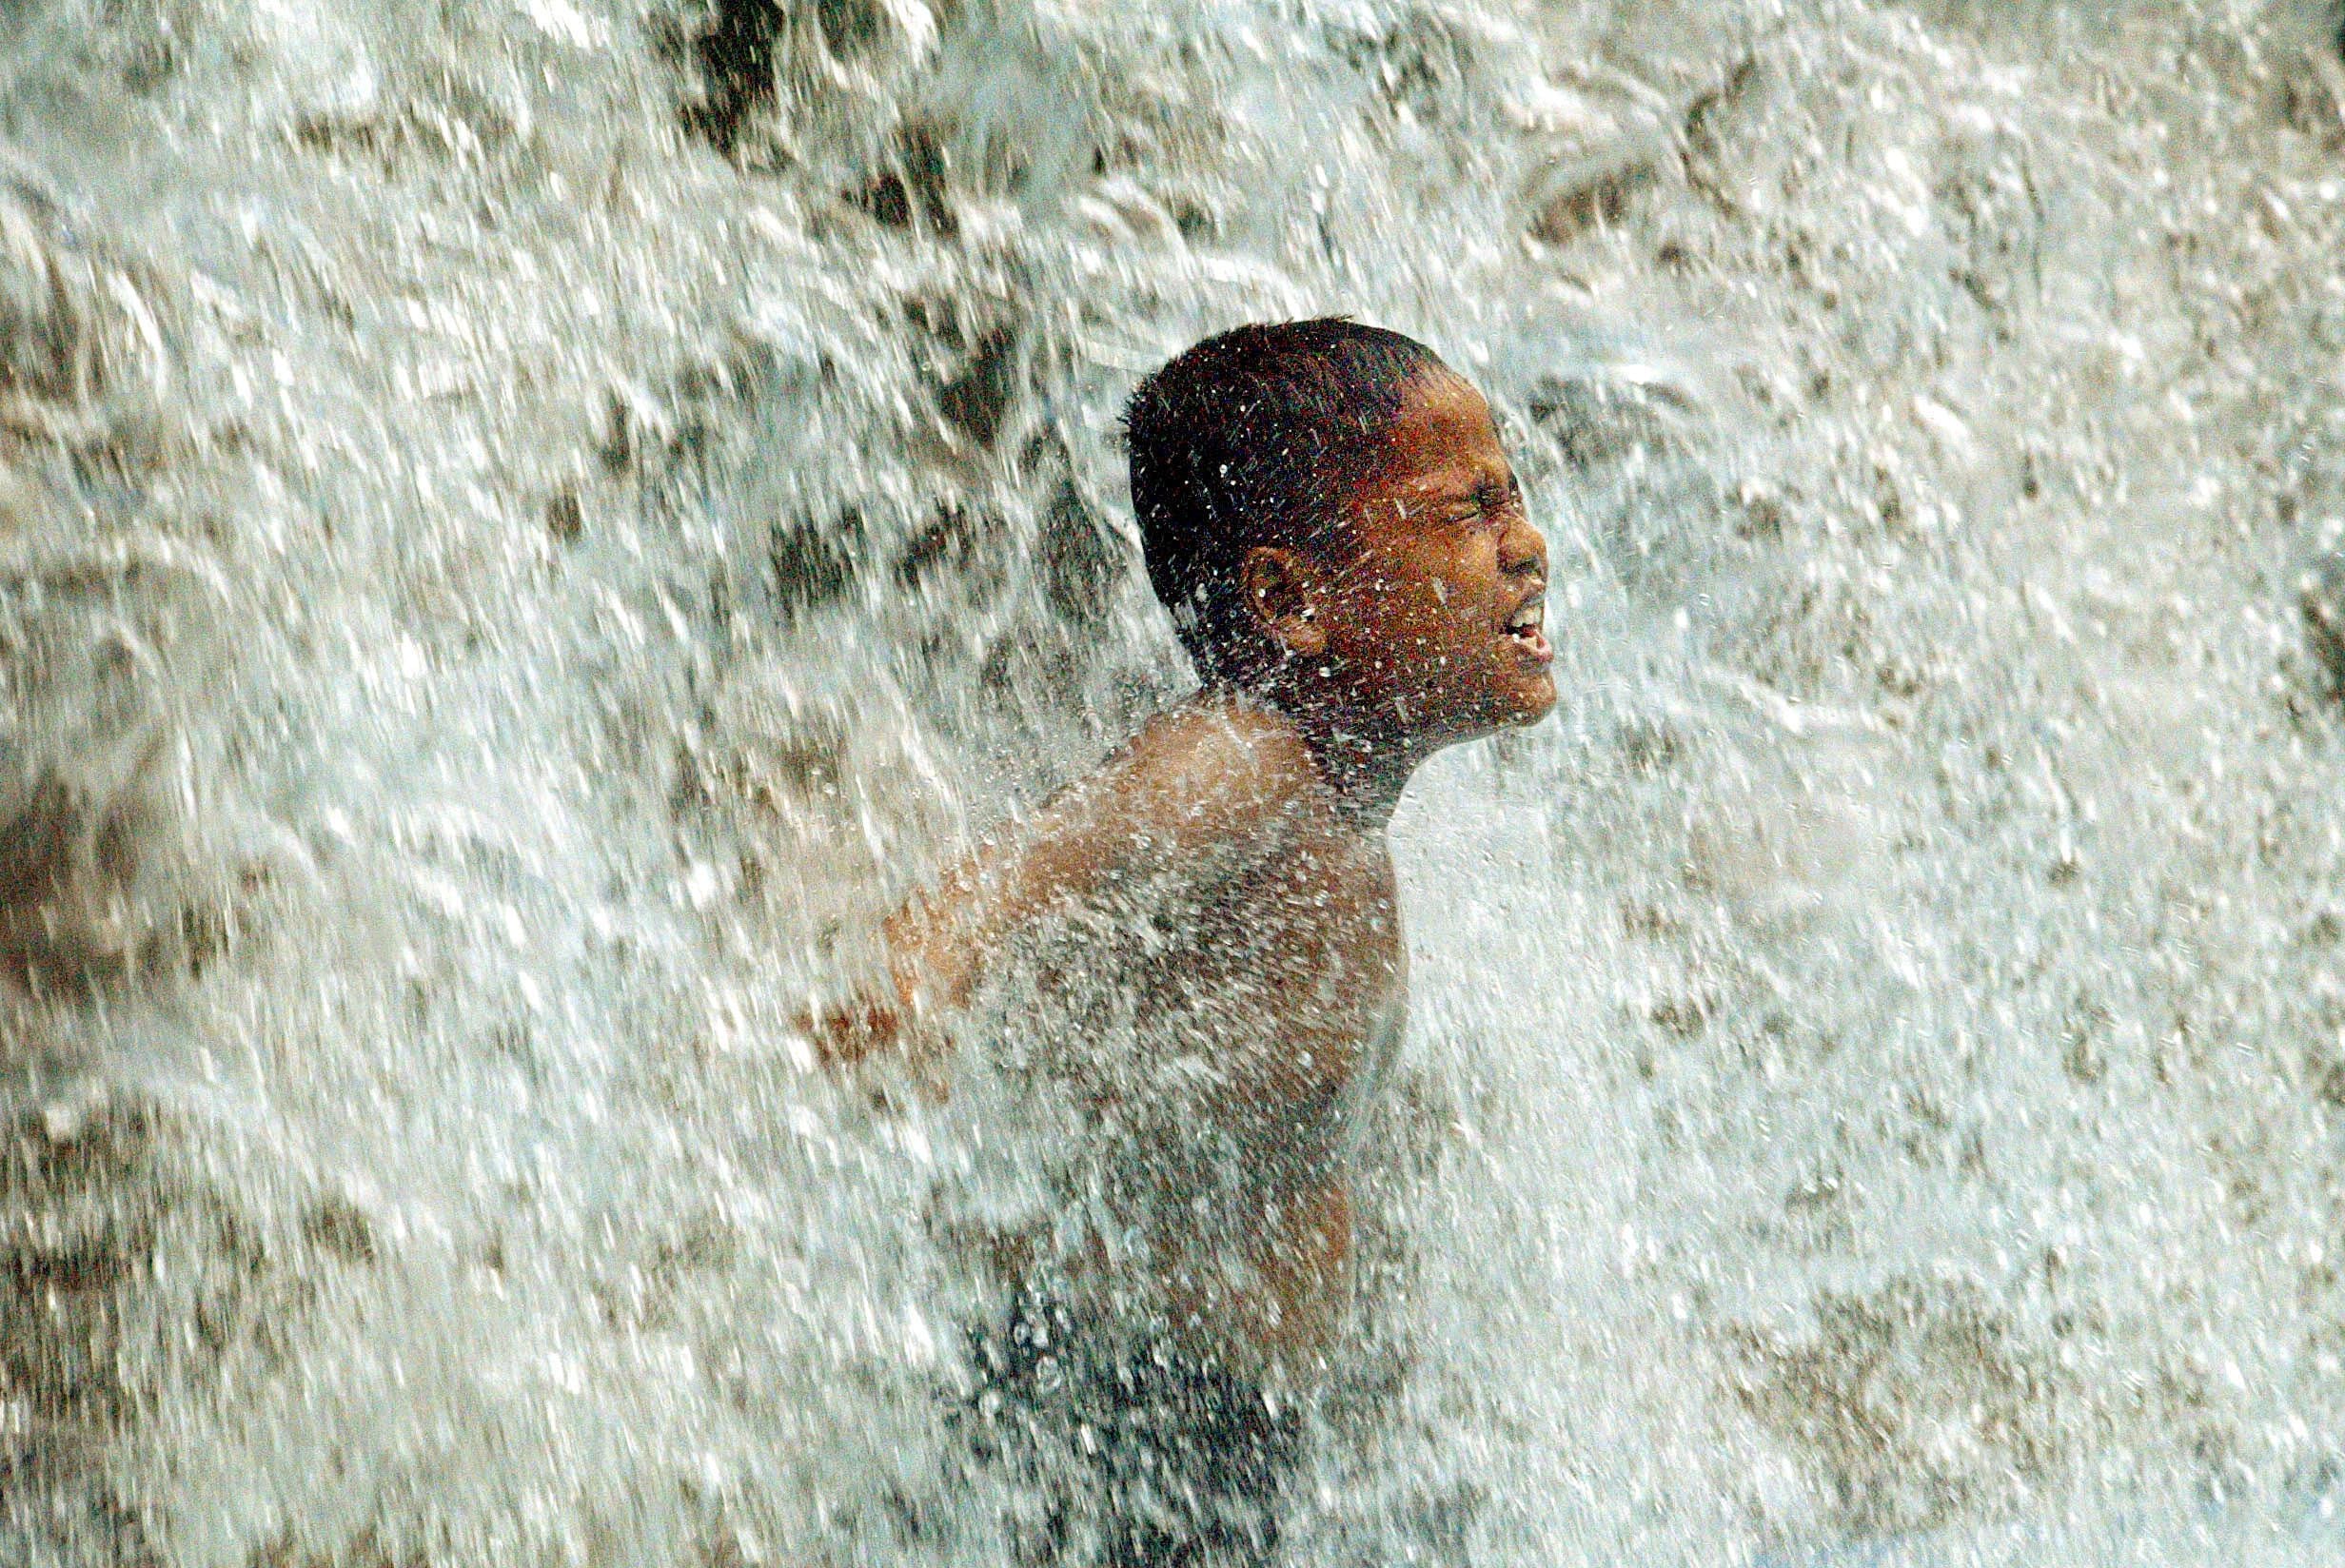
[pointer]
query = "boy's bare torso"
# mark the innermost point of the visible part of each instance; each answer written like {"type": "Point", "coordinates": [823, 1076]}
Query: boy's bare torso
{"type": "Point", "coordinates": [1250, 919]}
{"type": "Point", "coordinates": [1288, 986]}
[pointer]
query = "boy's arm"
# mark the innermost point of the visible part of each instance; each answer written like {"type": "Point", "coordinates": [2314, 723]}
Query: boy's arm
{"type": "Point", "coordinates": [1199, 782]}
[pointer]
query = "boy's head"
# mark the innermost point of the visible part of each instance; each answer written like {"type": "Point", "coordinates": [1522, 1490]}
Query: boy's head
{"type": "Point", "coordinates": [1331, 497]}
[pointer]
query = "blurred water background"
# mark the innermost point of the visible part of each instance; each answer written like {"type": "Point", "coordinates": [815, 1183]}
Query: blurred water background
{"type": "Point", "coordinates": [525, 523]}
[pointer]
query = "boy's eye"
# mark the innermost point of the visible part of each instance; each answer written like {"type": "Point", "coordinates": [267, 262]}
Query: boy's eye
{"type": "Point", "coordinates": [1490, 502]}
{"type": "Point", "coordinates": [1487, 504]}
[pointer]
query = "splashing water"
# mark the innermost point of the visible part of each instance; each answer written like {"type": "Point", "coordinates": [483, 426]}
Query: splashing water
{"type": "Point", "coordinates": [525, 526]}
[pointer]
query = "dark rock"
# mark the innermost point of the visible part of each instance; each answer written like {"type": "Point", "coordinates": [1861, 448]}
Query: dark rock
{"type": "Point", "coordinates": [951, 533]}
{"type": "Point", "coordinates": [2320, 593]}
{"type": "Point", "coordinates": [912, 190]}
{"type": "Point", "coordinates": [1576, 199]}
{"type": "Point", "coordinates": [337, 1226]}
{"type": "Point", "coordinates": [735, 57]}
{"type": "Point", "coordinates": [814, 564]}
{"type": "Point", "coordinates": [563, 517]}
{"type": "Point", "coordinates": [1081, 562]}
{"type": "Point", "coordinates": [976, 400]}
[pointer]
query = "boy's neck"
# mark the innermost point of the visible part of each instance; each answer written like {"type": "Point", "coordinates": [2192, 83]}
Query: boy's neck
{"type": "Point", "coordinates": [1364, 765]}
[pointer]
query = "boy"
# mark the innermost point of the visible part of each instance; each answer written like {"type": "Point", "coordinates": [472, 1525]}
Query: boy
{"type": "Point", "coordinates": [1325, 510]}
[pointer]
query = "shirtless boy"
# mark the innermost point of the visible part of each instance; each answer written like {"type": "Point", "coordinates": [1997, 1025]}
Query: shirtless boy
{"type": "Point", "coordinates": [1327, 511]}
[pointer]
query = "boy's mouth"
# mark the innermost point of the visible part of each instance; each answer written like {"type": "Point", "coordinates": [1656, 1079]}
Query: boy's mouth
{"type": "Point", "coordinates": [1527, 629]}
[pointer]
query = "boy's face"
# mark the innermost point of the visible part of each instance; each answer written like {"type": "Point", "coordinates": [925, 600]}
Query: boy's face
{"type": "Point", "coordinates": [1439, 618]}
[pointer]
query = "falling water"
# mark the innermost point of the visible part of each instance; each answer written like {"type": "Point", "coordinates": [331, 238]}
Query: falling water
{"type": "Point", "coordinates": [525, 525]}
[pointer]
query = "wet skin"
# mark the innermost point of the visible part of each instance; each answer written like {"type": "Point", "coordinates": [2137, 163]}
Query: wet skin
{"type": "Point", "coordinates": [1271, 804]}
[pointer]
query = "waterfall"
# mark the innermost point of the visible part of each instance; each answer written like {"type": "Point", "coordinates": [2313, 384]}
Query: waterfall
{"type": "Point", "coordinates": [527, 527]}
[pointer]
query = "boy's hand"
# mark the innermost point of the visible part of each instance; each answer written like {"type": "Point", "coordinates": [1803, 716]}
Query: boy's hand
{"type": "Point", "coordinates": [850, 1034]}
{"type": "Point", "coordinates": [852, 1030]}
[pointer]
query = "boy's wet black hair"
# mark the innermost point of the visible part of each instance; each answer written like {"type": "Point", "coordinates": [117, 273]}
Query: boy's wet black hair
{"type": "Point", "coordinates": [1259, 436]}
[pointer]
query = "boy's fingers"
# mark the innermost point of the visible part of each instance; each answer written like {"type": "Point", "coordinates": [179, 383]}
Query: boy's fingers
{"type": "Point", "coordinates": [849, 1032]}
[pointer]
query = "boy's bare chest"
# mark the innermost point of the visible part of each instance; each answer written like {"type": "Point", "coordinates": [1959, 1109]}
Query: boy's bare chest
{"type": "Point", "coordinates": [1299, 960]}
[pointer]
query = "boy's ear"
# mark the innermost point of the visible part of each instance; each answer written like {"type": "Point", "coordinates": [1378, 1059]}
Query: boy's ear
{"type": "Point", "coordinates": [1282, 592]}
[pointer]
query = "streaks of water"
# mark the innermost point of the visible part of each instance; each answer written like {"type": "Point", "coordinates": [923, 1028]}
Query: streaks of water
{"type": "Point", "coordinates": [522, 526]}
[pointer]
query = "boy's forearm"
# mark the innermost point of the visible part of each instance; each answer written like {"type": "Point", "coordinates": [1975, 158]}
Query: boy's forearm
{"type": "Point", "coordinates": [938, 941]}
{"type": "Point", "coordinates": [928, 963]}
{"type": "Point", "coordinates": [929, 968]}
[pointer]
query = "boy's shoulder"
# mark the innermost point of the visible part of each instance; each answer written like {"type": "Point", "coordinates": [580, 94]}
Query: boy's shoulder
{"type": "Point", "coordinates": [1215, 766]}
{"type": "Point", "coordinates": [1215, 740]}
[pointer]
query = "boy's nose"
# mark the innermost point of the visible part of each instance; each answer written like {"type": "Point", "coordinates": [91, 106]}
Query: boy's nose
{"type": "Point", "coordinates": [1522, 550]}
